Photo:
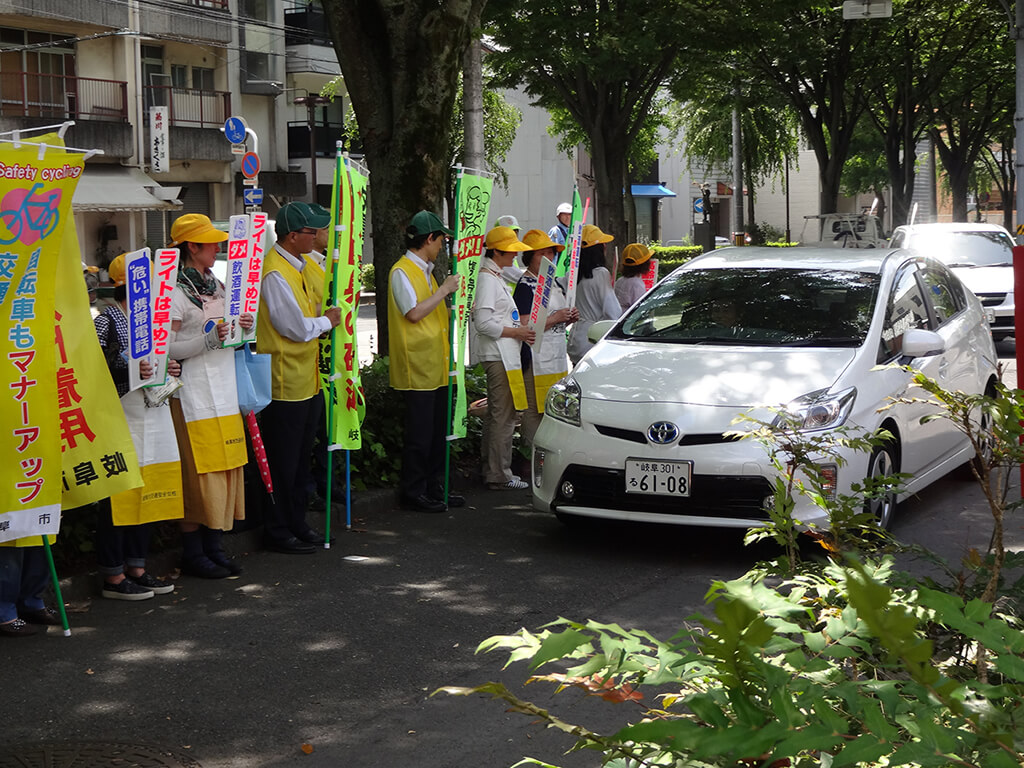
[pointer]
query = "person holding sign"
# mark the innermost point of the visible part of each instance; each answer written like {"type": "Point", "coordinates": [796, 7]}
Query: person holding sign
{"type": "Point", "coordinates": [211, 438]}
{"type": "Point", "coordinates": [595, 296]}
{"type": "Point", "coordinates": [546, 362]}
{"type": "Point", "coordinates": [419, 350]}
{"type": "Point", "coordinates": [630, 287]}
{"type": "Point", "coordinates": [287, 327]}
{"type": "Point", "coordinates": [123, 521]}
{"type": "Point", "coordinates": [498, 337]}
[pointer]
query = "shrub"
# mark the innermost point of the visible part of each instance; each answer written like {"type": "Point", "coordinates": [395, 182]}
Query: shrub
{"type": "Point", "coordinates": [366, 274]}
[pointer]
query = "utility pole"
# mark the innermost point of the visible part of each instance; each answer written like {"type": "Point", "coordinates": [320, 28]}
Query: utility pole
{"type": "Point", "coordinates": [739, 230]}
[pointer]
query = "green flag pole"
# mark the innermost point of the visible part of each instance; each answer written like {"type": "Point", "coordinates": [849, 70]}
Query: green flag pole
{"type": "Point", "coordinates": [56, 586]}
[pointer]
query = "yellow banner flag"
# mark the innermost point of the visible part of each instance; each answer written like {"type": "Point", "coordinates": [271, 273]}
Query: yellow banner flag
{"type": "Point", "coordinates": [36, 186]}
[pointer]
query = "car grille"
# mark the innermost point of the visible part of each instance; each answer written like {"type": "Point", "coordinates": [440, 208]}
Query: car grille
{"type": "Point", "coordinates": [634, 436]}
{"type": "Point", "coordinates": [712, 495]}
{"type": "Point", "coordinates": [991, 299]}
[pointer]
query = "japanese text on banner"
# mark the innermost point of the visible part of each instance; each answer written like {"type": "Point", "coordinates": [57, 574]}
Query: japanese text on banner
{"type": "Point", "coordinates": [472, 204]}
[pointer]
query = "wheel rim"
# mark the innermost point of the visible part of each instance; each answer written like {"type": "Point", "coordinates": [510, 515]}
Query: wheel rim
{"type": "Point", "coordinates": [882, 507]}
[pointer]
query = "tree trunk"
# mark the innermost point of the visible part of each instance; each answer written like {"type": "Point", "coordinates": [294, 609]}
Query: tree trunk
{"type": "Point", "coordinates": [401, 63]}
{"type": "Point", "coordinates": [609, 158]}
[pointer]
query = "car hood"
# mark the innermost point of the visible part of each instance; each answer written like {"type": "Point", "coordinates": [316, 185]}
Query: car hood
{"type": "Point", "coordinates": [986, 279]}
{"type": "Point", "coordinates": [706, 375]}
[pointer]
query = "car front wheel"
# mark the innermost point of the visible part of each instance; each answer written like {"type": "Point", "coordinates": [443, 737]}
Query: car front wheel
{"type": "Point", "coordinates": [882, 506]}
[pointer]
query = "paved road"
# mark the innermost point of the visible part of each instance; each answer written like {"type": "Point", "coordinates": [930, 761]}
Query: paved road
{"type": "Point", "coordinates": [340, 650]}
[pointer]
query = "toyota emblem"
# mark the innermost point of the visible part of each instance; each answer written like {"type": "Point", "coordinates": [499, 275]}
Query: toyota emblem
{"type": "Point", "coordinates": [662, 432]}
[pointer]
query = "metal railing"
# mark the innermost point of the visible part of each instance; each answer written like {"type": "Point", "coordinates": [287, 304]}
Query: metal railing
{"type": "Point", "coordinates": [190, 107]}
{"type": "Point", "coordinates": [63, 97]}
{"type": "Point", "coordinates": [306, 26]}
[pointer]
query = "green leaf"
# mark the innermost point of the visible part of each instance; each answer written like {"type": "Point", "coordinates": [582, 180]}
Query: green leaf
{"type": "Point", "coordinates": [557, 645]}
{"type": "Point", "coordinates": [864, 749]}
{"type": "Point", "coordinates": [1011, 666]}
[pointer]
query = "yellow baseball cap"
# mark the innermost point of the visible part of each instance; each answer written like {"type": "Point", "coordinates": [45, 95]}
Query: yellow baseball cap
{"type": "Point", "coordinates": [504, 239]}
{"type": "Point", "coordinates": [592, 235]}
{"type": "Point", "coordinates": [116, 270]}
{"type": "Point", "coordinates": [636, 254]}
{"type": "Point", "coordinates": [537, 240]}
{"type": "Point", "coordinates": [195, 228]}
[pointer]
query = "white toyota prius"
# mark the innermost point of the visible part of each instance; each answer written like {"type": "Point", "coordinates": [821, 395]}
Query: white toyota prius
{"type": "Point", "coordinates": [637, 431]}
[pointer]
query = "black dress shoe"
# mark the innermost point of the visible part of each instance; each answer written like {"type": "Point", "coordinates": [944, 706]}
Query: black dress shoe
{"type": "Point", "coordinates": [312, 536]}
{"type": "Point", "coordinates": [42, 616]}
{"type": "Point", "coordinates": [454, 500]}
{"type": "Point", "coordinates": [423, 503]}
{"type": "Point", "coordinates": [290, 546]}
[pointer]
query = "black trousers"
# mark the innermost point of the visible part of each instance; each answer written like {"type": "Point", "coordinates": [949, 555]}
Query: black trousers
{"type": "Point", "coordinates": [426, 416]}
{"type": "Point", "coordinates": [288, 430]}
{"type": "Point", "coordinates": [119, 546]}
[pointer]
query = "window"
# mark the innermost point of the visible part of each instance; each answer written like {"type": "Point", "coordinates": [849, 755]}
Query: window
{"type": "Point", "coordinates": [202, 79]}
{"type": "Point", "coordinates": [179, 76]}
{"type": "Point", "coordinates": [946, 295]}
{"type": "Point", "coordinates": [907, 309]}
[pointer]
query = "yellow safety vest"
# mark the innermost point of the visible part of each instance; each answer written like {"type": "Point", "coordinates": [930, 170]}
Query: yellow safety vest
{"type": "Point", "coordinates": [418, 351]}
{"type": "Point", "coordinates": [293, 364]}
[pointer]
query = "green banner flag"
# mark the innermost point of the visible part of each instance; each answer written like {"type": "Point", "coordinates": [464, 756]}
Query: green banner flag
{"type": "Point", "coordinates": [472, 203]}
{"type": "Point", "coordinates": [574, 237]}
{"type": "Point", "coordinates": [339, 358]}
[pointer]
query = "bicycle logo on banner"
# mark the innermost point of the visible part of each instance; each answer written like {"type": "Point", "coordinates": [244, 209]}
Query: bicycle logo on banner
{"type": "Point", "coordinates": [27, 216]}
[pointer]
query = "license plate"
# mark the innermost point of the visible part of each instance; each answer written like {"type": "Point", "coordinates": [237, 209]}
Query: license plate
{"type": "Point", "coordinates": [662, 478]}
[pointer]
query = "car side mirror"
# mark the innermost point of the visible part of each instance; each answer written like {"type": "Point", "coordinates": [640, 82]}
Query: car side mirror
{"type": "Point", "coordinates": [599, 329]}
{"type": "Point", "coordinates": [917, 342]}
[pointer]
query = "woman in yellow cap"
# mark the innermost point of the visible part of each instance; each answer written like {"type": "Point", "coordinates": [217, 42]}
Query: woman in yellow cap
{"type": "Point", "coordinates": [122, 524]}
{"type": "Point", "coordinates": [594, 296]}
{"type": "Point", "coordinates": [544, 363]}
{"type": "Point", "coordinates": [497, 337]}
{"type": "Point", "coordinates": [636, 259]}
{"type": "Point", "coordinates": [206, 416]}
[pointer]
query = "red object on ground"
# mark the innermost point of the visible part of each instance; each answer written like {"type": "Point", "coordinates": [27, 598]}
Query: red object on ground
{"type": "Point", "coordinates": [259, 451]}
{"type": "Point", "coordinates": [1018, 320]}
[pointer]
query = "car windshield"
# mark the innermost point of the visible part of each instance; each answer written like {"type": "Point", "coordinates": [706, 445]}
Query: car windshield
{"type": "Point", "coordinates": [756, 307]}
{"type": "Point", "coordinates": [965, 249]}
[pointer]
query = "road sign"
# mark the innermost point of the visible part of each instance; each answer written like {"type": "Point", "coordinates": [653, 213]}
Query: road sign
{"type": "Point", "coordinates": [867, 9]}
{"type": "Point", "coordinates": [234, 130]}
{"type": "Point", "coordinates": [252, 196]}
{"type": "Point", "coordinates": [250, 182]}
{"type": "Point", "coordinates": [238, 149]}
{"type": "Point", "coordinates": [250, 164]}
{"type": "Point", "coordinates": [698, 205]}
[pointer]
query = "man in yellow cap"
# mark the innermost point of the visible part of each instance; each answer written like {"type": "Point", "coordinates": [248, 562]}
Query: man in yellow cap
{"type": "Point", "coordinates": [287, 327]}
{"type": "Point", "coordinates": [419, 353]}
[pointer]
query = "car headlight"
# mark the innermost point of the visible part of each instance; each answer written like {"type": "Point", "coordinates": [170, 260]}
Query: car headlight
{"type": "Point", "coordinates": [563, 402]}
{"type": "Point", "coordinates": [820, 410]}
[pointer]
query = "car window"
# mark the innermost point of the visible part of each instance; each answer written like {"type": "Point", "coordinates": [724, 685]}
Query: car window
{"type": "Point", "coordinates": [965, 249]}
{"type": "Point", "coordinates": [764, 306]}
{"type": "Point", "coordinates": [906, 309]}
{"type": "Point", "coordinates": [897, 240]}
{"type": "Point", "coordinates": [945, 294]}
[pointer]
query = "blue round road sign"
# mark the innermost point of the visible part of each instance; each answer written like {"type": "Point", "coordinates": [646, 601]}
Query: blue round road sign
{"type": "Point", "coordinates": [250, 165]}
{"type": "Point", "coordinates": [698, 205]}
{"type": "Point", "coordinates": [234, 130]}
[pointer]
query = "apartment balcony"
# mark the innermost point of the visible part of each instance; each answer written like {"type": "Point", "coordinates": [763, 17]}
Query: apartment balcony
{"type": "Point", "coordinates": [306, 25]}
{"type": "Point", "coordinates": [208, 20]}
{"type": "Point", "coordinates": [98, 107]}
{"type": "Point", "coordinates": [99, 12]}
{"type": "Point", "coordinates": [190, 107]}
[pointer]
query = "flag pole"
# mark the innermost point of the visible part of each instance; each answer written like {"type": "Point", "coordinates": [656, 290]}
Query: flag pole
{"type": "Point", "coordinates": [56, 586]}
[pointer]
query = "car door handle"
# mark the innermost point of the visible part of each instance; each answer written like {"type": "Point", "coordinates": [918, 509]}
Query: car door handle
{"type": "Point", "coordinates": [943, 367]}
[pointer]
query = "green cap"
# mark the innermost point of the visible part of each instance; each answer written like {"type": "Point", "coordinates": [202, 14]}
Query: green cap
{"type": "Point", "coordinates": [296, 215]}
{"type": "Point", "coordinates": [426, 223]}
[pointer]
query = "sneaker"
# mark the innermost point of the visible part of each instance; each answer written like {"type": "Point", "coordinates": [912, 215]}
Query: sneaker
{"type": "Point", "coordinates": [153, 584]}
{"type": "Point", "coordinates": [204, 568]}
{"type": "Point", "coordinates": [16, 628]}
{"type": "Point", "coordinates": [126, 590]}
{"type": "Point", "coordinates": [515, 484]}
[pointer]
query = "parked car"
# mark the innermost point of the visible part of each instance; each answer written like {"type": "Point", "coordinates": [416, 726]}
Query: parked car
{"type": "Point", "coordinates": [637, 430]}
{"type": "Point", "coordinates": [980, 255]}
